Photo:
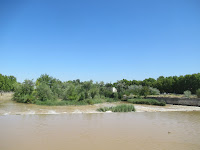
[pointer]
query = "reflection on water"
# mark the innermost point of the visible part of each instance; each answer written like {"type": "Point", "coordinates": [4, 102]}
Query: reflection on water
{"type": "Point", "coordinates": [159, 130]}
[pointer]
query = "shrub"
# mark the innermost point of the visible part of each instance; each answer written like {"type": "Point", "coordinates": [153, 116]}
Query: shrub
{"type": "Point", "coordinates": [110, 100]}
{"type": "Point", "coordinates": [147, 102]}
{"type": "Point", "coordinates": [187, 93]}
{"type": "Point", "coordinates": [115, 96]}
{"type": "Point", "coordinates": [119, 108]}
{"type": "Point", "coordinates": [123, 108]}
{"type": "Point", "coordinates": [154, 91]}
{"type": "Point", "coordinates": [131, 96]}
{"type": "Point", "coordinates": [145, 91]}
{"type": "Point", "coordinates": [198, 93]}
{"type": "Point", "coordinates": [82, 96]}
{"type": "Point", "coordinates": [135, 89]}
{"type": "Point", "coordinates": [90, 102]}
{"type": "Point", "coordinates": [69, 102]}
{"type": "Point", "coordinates": [51, 103]}
{"type": "Point", "coordinates": [103, 109]}
{"type": "Point", "coordinates": [120, 95]}
{"type": "Point", "coordinates": [24, 92]}
{"type": "Point", "coordinates": [44, 93]}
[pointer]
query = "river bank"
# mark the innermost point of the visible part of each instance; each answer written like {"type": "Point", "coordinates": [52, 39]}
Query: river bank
{"type": "Point", "coordinates": [9, 107]}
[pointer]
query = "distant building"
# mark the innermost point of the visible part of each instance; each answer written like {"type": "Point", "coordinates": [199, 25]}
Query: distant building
{"type": "Point", "coordinates": [114, 90]}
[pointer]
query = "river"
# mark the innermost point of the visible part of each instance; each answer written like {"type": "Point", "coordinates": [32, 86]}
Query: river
{"type": "Point", "coordinates": [29, 130]}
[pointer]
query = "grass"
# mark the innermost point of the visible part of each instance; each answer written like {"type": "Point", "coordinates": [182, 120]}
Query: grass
{"type": "Point", "coordinates": [146, 101]}
{"type": "Point", "coordinates": [73, 102]}
{"type": "Point", "coordinates": [119, 108]}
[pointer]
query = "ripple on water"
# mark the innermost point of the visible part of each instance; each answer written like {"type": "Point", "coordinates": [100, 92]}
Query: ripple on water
{"type": "Point", "coordinates": [77, 111]}
{"type": "Point", "coordinates": [52, 112]}
{"type": "Point", "coordinates": [30, 113]}
{"type": "Point", "coordinates": [5, 114]}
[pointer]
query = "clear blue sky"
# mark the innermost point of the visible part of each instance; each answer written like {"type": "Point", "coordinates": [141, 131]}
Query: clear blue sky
{"type": "Point", "coordinates": [104, 40]}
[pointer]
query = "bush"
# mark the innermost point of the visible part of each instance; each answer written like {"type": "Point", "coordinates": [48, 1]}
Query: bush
{"type": "Point", "coordinates": [187, 93]}
{"type": "Point", "coordinates": [123, 108]}
{"type": "Point", "coordinates": [119, 108]}
{"type": "Point", "coordinates": [51, 103]}
{"type": "Point", "coordinates": [24, 92]}
{"type": "Point", "coordinates": [147, 102]}
{"type": "Point", "coordinates": [103, 109]}
{"type": "Point", "coordinates": [90, 102]}
{"type": "Point", "coordinates": [134, 89]}
{"type": "Point", "coordinates": [198, 93]}
{"type": "Point", "coordinates": [154, 91]}
{"type": "Point", "coordinates": [44, 93]}
{"type": "Point", "coordinates": [145, 91]}
{"type": "Point", "coordinates": [69, 102]}
{"type": "Point", "coordinates": [111, 100]}
{"type": "Point", "coordinates": [120, 95]}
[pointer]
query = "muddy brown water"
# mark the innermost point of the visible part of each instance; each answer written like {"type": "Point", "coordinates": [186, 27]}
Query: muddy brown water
{"type": "Point", "coordinates": [96, 131]}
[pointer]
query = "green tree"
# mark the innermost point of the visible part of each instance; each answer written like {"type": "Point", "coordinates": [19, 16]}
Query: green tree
{"type": "Point", "coordinates": [145, 91]}
{"type": "Point", "coordinates": [198, 93]}
{"type": "Point", "coordinates": [44, 93]}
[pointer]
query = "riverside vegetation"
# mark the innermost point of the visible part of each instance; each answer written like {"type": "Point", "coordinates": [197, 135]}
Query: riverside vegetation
{"type": "Point", "coordinates": [47, 90]}
{"type": "Point", "coordinates": [51, 91]}
{"type": "Point", "coordinates": [119, 108]}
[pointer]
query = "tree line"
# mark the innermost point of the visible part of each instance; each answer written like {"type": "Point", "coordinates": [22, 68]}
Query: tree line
{"type": "Point", "coordinates": [171, 84]}
{"type": "Point", "coordinates": [48, 88]}
{"type": "Point", "coordinates": [7, 83]}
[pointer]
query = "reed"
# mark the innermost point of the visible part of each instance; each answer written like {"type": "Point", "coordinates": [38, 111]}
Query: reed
{"type": "Point", "coordinates": [118, 108]}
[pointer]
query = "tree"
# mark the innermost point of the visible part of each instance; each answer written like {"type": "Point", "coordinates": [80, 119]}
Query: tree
{"type": "Point", "coordinates": [145, 91]}
{"type": "Point", "coordinates": [198, 93]}
{"type": "Point", "coordinates": [48, 80]}
{"type": "Point", "coordinates": [44, 93]}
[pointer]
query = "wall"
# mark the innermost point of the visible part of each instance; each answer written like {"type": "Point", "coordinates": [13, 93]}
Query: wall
{"type": "Point", "coordinates": [179, 101]}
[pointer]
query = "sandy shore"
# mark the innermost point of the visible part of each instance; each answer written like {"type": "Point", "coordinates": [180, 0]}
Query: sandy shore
{"type": "Point", "coordinates": [167, 108]}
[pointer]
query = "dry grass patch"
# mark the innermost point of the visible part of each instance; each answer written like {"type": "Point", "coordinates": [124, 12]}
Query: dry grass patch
{"type": "Point", "coordinates": [6, 96]}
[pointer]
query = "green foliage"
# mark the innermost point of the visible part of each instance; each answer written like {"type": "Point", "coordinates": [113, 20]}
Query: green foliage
{"type": "Point", "coordinates": [28, 87]}
{"type": "Point", "coordinates": [64, 102]}
{"type": "Point", "coordinates": [94, 91]}
{"type": "Point", "coordinates": [119, 108]}
{"type": "Point", "coordinates": [172, 84]}
{"type": "Point", "coordinates": [145, 91]}
{"type": "Point", "coordinates": [187, 94]}
{"type": "Point", "coordinates": [115, 96]}
{"type": "Point", "coordinates": [120, 95]}
{"type": "Point", "coordinates": [82, 96]}
{"type": "Point", "coordinates": [48, 80]}
{"type": "Point", "coordinates": [44, 93]}
{"type": "Point", "coordinates": [7, 83]}
{"type": "Point", "coordinates": [111, 100]}
{"type": "Point", "coordinates": [90, 102]}
{"type": "Point", "coordinates": [72, 92]}
{"type": "Point", "coordinates": [24, 92]}
{"type": "Point", "coordinates": [153, 91]}
{"type": "Point", "coordinates": [147, 102]}
{"type": "Point", "coordinates": [198, 93]}
{"type": "Point", "coordinates": [49, 90]}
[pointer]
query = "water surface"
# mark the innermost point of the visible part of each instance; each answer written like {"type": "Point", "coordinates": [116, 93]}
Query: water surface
{"type": "Point", "coordinates": [155, 130]}
{"type": "Point", "coordinates": [32, 127]}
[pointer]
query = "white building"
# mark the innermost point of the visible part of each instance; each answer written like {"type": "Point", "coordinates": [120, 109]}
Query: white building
{"type": "Point", "coordinates": [114, 90]}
